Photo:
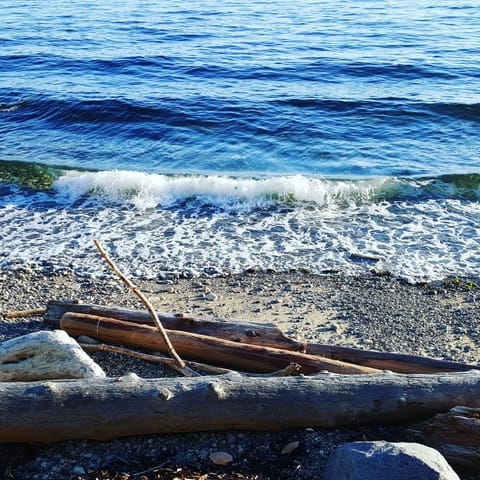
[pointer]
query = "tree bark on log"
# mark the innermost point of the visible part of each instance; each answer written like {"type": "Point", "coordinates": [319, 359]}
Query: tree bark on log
{"type": "Point", "coordinates": [252, 358]}
{"type": "Point", "coordinates": [102, 409]}
{"type": "Point", "coordinates": [455, 434]}
{"type": "Point", "coordinates": [396, 362]}
{"type": "Point", "coordinates": [252, 333]}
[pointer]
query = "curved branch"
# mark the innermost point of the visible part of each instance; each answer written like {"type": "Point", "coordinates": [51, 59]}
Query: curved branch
{"type": "Point", "coordinates": [180, 364]}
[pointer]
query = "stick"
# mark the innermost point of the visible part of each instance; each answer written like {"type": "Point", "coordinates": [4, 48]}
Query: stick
{"type": "Point", "coordinates": [102, 347]}
{"type": "Point", "coordinates": [396, 362]}
{"type": "Point", "coordinates": [171, 350]}
{"type": "Point", "coordinates": [292, 369]}
{"type": "Point", "coordinates": [25, 313]}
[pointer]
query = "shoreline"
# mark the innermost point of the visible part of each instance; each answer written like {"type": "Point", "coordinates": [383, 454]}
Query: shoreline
{"type": "Point", "coordinates": [438, 320]}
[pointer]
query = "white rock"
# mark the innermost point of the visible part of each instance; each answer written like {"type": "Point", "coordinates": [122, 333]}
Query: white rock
{"type": "Point", "coordinates": [45, 355]}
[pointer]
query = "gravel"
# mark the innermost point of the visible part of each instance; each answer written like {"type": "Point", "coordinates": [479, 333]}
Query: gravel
{"type": "Point", "coordinates": [437, 320]}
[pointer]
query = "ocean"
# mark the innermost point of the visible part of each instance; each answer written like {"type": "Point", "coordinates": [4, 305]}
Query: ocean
{"type": "Point", "coordinates": [215, 137]}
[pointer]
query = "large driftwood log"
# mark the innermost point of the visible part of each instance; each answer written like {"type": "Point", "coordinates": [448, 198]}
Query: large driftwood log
{"type": "Point", "coordinates": [45, 355]}
{"type": "Point", "coordinates": [396, 362]}
{"type": "Point", "coordinates": [456, 434]}
{"type": "Point", "coordinates": [253, 333]}
{"type": "Point", "coordinates": [252, 358]}
{"type": "Point", "coordinates": [107, 408]}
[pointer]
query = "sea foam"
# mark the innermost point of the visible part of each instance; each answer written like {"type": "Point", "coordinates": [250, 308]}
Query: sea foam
{"type": "Point", "coordinates": [146, 191]}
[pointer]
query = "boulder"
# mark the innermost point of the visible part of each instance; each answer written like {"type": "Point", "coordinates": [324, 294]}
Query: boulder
{"type": "Point", "coordinates": [382, 460]}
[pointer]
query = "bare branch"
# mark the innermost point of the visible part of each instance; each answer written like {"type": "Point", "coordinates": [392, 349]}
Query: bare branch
{"type": "Point", "coordinates": [179, 362]}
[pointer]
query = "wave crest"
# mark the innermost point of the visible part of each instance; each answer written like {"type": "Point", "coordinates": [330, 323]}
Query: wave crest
{"type": "Point", "coordinates": [150, 190]}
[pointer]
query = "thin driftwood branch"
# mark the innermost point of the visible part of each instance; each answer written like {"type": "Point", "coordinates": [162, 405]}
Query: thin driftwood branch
{"type": "Point", "coordinates": [396, 362]}
{"type": "Point", "coordinates": [103, 347]}
{"type": "Point", "coordinates": [25, 313]}
{"type": "Point", "coordinates": [291, 369]}
{"type": "Point", "coordinates": [171, 350]}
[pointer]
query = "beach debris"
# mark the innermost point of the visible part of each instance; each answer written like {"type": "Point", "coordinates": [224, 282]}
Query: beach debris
{"type": "Point", "coordinates": [216, 351]}
{"type": "Point", "coordinates": [207, 332]}
{"type": "Point", "coordinates": [240, 331]}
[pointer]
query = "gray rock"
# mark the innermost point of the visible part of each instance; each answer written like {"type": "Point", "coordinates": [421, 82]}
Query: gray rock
{"type": "Point", "coordinates": [387, 461]}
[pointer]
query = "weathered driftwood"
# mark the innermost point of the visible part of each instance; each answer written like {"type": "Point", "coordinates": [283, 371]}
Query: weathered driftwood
{"type": "Point", "coordinates": [396, 362]}
{"type": "Point", "coordinates": [267, 335]}
{"type": "Point", "coordinates": [107, 408]}
{"type": "Point", "coordinates": [455, 434]}
{"type": "Point", "coordinates": [45, 355]}
{"type": "Point", "coordinates": [212, 350]}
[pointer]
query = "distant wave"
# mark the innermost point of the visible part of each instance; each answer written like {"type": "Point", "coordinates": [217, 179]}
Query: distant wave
{"type": "Point", "coordinates": [178, 66]}
{"type": "Point", "coordinates": [191, 112]}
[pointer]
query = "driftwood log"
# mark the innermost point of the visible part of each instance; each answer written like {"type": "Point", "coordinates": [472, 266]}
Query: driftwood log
{"type": "Point", "coordinates": [45, 355]}
{"type": "Point", "coordinates": [108, 408]}
{"type": "Point", "coordinates": [251, 358]}
{"type": "Point", "coordinates": [455, 434]}
{"type": "Point", "coordinates": [267, 335]}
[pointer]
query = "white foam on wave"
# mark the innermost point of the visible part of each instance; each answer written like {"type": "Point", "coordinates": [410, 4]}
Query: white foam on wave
{"type": "Point", "coordinates": [146, 191]}
{"type": "Point", "coordinates": [424, 240]}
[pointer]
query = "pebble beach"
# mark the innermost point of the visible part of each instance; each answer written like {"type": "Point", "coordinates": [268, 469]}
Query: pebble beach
{"type": "Point", "coordinates": [439, 320]}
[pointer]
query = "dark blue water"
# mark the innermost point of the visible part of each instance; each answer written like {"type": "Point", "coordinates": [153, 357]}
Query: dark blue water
{"type": "Point", "coordinates": [225, 135]}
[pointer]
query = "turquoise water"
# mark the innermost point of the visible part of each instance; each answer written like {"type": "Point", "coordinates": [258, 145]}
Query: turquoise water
{"type": "Point", "coordinates": [219, 136]}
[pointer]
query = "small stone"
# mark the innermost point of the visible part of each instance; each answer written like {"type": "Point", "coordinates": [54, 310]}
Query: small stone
{"type": "Point", "coordinates": [221, 458]}
{"type": "Point", "coordinates": [129, 377]}
{"type": "Point", "coordinates": [87, 340]}
{"type": "Point", "coordinates": [79, 470]}
{"type": "Point", "coordinates": [290, 447]}
{"type": "Point", "coordinates": [210, 296]}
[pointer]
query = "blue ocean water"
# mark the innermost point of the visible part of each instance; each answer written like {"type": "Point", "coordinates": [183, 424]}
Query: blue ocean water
{"type": "Point", "coordinates": [214, 137]}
